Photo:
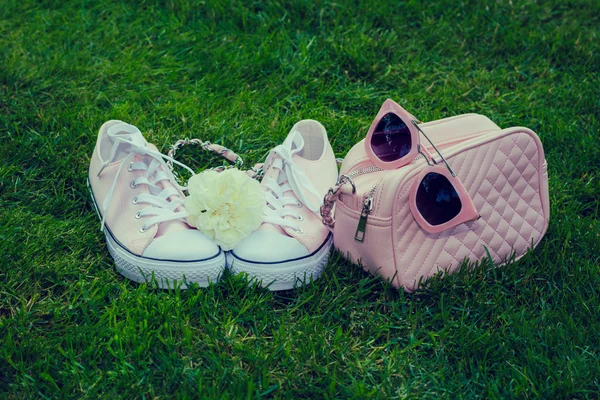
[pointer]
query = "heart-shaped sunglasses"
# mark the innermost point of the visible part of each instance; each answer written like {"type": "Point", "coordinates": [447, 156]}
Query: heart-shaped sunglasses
{"type": "Point", "coordinates": [438, 199]}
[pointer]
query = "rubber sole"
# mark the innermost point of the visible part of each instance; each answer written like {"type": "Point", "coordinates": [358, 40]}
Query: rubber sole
{"type": "Point", "coordinates": [166, 274]}
{"type": "Point", "coordinates": [285, 275]}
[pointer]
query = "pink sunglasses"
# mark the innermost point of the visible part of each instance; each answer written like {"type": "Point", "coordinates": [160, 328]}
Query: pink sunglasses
{"type": "Point", "coordinates": [438, 199]}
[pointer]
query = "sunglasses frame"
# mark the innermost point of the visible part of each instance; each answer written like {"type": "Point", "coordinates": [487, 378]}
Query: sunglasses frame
{"type": "Point", "coordinates": [467, 213]}
{"type": "Point", "coordinates": [390, 106]}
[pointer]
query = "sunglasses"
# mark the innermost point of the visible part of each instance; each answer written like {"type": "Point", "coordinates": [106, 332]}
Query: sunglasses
{"type": "Point", "coordinates": [438, 200]}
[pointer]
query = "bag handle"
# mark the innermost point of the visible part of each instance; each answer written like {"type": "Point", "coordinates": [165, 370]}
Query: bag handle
{"type": "Point", "coordinates": [255, 172]}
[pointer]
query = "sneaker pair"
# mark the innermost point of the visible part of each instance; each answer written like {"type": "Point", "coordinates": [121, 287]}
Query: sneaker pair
{"type": "Point", "coordinates": [142, 210]}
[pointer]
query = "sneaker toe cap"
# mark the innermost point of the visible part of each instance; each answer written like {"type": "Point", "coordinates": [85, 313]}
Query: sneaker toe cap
{"type": "Point", "coordinates": [182, 245]}
{"type": "Point", "coordinates": [269, 247]}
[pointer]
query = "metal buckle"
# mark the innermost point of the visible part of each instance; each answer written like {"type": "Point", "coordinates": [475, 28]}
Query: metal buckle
{"type": "Point", "coordinates": [342, 180]}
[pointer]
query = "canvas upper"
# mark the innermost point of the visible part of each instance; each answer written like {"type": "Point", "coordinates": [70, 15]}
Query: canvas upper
{"type": "Point", "coordinates": [297, 176]}
{"type": "Point", "coordinates": [139, 200]}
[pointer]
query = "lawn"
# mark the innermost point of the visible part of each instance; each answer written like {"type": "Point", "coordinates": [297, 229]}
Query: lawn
{"type": "Point", "coordinates": [241, 74]}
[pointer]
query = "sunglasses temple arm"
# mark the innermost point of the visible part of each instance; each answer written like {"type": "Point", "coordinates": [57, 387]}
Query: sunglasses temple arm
{"type": "Point", "coordinates": [436, 150]}
{"type": "Point", "coordinates": [426, 155]}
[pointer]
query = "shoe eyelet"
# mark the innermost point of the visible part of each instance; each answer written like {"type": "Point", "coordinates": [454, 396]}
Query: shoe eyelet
{"type": "Point", "coordinates": [300, 218]}
{"type": "Point", "coordinates": [143, 229]}
{"type": "Point", "coordinates": [298, 204]}
{"type": "Point", "coordinates": [138, 215]}
{"type": "Point", "coordinates": [299, 231]}
{"type": "Point", "coordinates": [132, 185]}
{"type": "Point", "coordinates": [135, 200]}
{"type": "Point", "coordinates": [130, 167]}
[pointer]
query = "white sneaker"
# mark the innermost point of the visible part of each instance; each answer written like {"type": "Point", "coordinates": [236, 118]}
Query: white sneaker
{"type": "Point", "coordinates": [142, 212]}
{"type": "Point", "coordinates": [292, 246]}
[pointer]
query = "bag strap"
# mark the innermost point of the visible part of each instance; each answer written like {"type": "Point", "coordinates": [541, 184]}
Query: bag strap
{"type": "Point", "coordinates": [255, 172]}
{"type": "Point", "coordinates": [208, 146]}
{"type": "Point", "coordinates": [333, 194]}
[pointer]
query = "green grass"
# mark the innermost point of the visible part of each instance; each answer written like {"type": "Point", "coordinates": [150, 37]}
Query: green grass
{"type": "Point", "coordinates": [240, 74]}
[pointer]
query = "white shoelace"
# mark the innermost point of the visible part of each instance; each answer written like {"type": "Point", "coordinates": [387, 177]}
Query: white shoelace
{"type": "Point", "coordinates": [297, 182]}
{"type": "Point", "coordinates": [163, 202]}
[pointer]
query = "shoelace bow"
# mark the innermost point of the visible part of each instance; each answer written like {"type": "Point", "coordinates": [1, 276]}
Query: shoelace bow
{"type": "Point", "coordinates": [297, 182]}
{"type": "Point", "coordinates": [165, 201]}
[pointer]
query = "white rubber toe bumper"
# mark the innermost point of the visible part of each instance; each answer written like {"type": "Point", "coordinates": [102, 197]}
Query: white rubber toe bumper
{"type": "Point", "coordinates": [264, 246]}
{"type": "Point", "coordinates": [280, 275]}
{"type": "Point", "coordinates": [168, 274]}
{"type": "Point", "coordinates": [182, 245]}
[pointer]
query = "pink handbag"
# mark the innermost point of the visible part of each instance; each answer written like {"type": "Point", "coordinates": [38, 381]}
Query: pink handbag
{"type": "Point", "coordinates": [503, 172]}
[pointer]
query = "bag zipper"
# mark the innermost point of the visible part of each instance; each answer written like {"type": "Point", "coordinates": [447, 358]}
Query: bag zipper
{"type": "Point", "coordinates": [359, 236]}
{"type": "Point", "coordinates": [363, 171]}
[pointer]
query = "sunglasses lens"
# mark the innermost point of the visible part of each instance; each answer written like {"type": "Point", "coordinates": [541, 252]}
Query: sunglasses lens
{"type": "Point", "coordinates": [437, 200]}
{"type": "Point", "coordinates": [391, 138]}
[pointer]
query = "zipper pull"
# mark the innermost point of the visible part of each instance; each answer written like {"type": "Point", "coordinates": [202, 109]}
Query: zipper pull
{"type": "Point", "coordinates": [359, 236]}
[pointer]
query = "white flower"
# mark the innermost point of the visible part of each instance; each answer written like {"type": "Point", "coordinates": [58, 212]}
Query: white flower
{"type": "Point", "coordinates": [226, 206]}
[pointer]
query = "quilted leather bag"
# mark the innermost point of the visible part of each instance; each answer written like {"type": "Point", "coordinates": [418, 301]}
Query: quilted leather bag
{"type": "Point", "coordinates": [504, 173]}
